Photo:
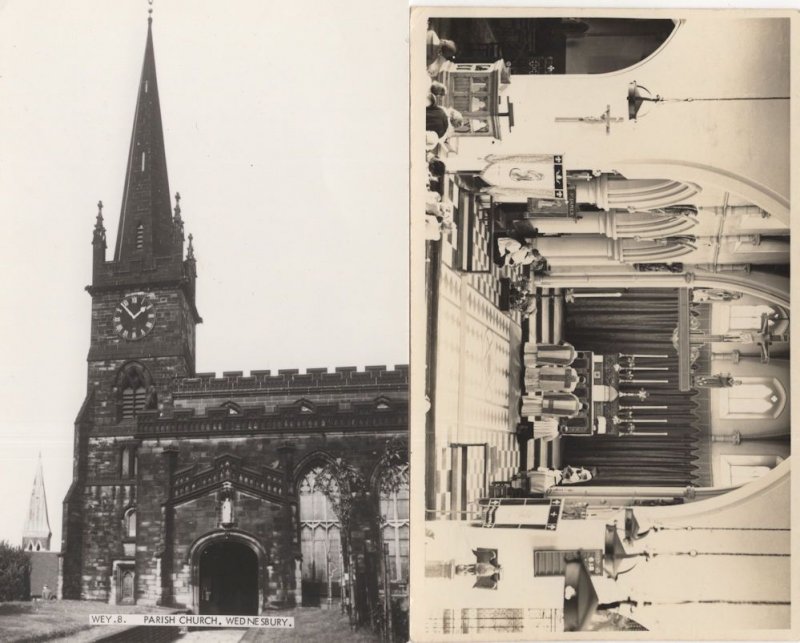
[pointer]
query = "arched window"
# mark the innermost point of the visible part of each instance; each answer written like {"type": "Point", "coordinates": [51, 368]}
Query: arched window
{"type": "Point", "coordinates": [395, 526]}
{"type": "Point", "coordinates": [755, 398]}
{"type": "Point", "coordinates": [556, 45]}
{"type": "Point", "coordinates": [744, 317]}
{"type": "Point", "coordinates": [320, 540]}
{"type": "Point", "coordinates": [135, 391]}
{"type": "Point", "coordinates": [129, 523]}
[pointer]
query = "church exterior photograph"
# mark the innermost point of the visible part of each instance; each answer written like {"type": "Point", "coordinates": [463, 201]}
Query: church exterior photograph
{"type": "Point", "coordinates": [602, 322]}
{"type": "Point", "coordinates": [239, 492]}
{"type": "Point", "coordinates": [200, 490]}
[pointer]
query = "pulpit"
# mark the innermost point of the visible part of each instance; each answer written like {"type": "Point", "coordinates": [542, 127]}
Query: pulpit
{"type": "Point", "coordinates": [474, 90]}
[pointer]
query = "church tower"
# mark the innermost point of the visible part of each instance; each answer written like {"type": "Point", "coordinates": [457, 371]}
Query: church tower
{"type": "Point", "coordinates": [36, 533]}
{"type": "Point", "coordinates": [142, 338]}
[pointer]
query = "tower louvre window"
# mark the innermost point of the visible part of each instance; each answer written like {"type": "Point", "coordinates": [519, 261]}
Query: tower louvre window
{"type": "Point", "coordinates": [134, 392]}
{"type": "Point", "coordinates": [139, 236]}
{"type": "Point", "coordinates": [133, 401]}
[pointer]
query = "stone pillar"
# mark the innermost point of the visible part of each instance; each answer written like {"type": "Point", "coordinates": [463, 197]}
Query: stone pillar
{"type": "Point", "coordinates": [579, 250]}
{"type": "Point", "coordinates": [165, 564]}
{"type": "Point", "coordinates": [619, 224]}
{"type": "Point", "coordinates": [734, 438]}
{"type": "Point", "coordinates": [733, 356]}
{"type": "Point", "coordinates": [60, 581]}
{"type": "Point", "coordinates": [589, 223]}
{"type": "Point", "coordinates": [439, 568]}
{"type": "Point", "coordinates": [599, 279]}
{"type": "Point", "coordinates": [607, 192]}
{"type": "Point", "coordinates": [298, 581]}
{"type": "Point", "coordinates": [287, 546]}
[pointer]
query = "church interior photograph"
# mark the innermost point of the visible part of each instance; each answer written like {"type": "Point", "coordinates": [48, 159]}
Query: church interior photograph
{"type": "Point", "coordinates": [603, 322]}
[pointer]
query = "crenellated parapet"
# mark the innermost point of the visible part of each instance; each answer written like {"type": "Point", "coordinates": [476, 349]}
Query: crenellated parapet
{"type": "Point", "coordinates": [292, 380]}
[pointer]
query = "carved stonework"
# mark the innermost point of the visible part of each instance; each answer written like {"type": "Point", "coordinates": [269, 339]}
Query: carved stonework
{"type": "Point", "coordinates": [227, 516]}
{"type": "Point", "coordinates": [228, 472]}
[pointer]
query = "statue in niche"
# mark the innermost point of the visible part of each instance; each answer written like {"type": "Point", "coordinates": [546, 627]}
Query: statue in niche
{"type": "Point", "coordinates": [151, 401]}
{"type": "Point", "coordinates": [659, 267]}
{"type": "Point", "coordinates": [227, 511]}
{"type": "Point", "coordinates": [714, 294]}
{"type": "Point", "coordinates": [720, 380]}
{"type": "Point", "coordinates": [485, 569]}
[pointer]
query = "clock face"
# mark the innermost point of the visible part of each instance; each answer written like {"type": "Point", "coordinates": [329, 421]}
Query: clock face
{"type": "Point", "coordinates": [135, 316]}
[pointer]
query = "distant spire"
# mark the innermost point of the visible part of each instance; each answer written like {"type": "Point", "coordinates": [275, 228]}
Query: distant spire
{"type": "Point", "coordinates": [36, 533]}
{"type": "Point", "coordinates": [145, 224]}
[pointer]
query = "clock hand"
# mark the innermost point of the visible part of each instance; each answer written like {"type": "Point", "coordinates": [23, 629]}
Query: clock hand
{"type": "Point", "coordinates": [141, 310]}
{"type": "Point", "coordinates": [130, 314]}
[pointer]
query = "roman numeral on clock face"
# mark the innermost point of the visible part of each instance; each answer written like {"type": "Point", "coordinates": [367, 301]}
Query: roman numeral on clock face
{"type": "Point", "coordinates": [134, 317]}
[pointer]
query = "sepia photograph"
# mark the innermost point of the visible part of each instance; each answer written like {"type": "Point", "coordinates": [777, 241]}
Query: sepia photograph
{"type": "Point", "coordinates": [205, 341]}
{"type": "Point", "coordinates": [601, 323]}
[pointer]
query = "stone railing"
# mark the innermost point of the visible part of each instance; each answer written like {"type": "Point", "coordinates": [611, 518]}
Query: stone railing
{"type": "Point", "coordinates": [182, 423]}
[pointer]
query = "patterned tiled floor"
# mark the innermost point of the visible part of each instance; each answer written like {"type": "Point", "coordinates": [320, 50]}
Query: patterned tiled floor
{"type": "Point", "coordinates": [478, 369]}
{"type": "Point", "coordinates": [478, 346]}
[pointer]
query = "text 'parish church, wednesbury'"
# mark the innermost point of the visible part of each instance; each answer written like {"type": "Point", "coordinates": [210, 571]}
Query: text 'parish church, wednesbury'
{"type": "Point", "coordinates": [195, 490]}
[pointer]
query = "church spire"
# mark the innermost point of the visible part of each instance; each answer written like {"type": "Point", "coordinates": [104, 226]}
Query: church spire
{"type": "Point", "coordinates": [146, 229]}
{"type": "Point", "coordinates": [36, 533]}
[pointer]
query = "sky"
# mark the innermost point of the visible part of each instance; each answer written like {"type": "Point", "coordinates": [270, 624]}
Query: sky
{"type": "Point", "coordinates": [286, 134]}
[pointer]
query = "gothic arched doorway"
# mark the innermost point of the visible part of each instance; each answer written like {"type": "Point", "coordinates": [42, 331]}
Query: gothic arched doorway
{"type": "Point", "coordinates": [228, 575]}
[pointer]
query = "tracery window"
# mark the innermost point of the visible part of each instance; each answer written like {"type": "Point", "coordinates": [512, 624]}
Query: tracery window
{"type": "Point", "coordinates": [320, 535]}
{"type": "Point", "coordinates": [134, 390]}
{"type": "Point", "coordinates": [754, 398]}
{"type": "Point", "coordinates": [395, 528]}
{"type": "Point", "coordinates": [744, 317]}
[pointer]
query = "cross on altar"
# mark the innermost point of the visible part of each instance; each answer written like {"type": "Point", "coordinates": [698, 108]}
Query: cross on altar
{"type": "Point", "coordinates": [605, 117]}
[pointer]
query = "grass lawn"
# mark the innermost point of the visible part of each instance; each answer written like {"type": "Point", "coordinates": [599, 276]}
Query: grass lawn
{"type": "Point", "coordinates": [28, 622]}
